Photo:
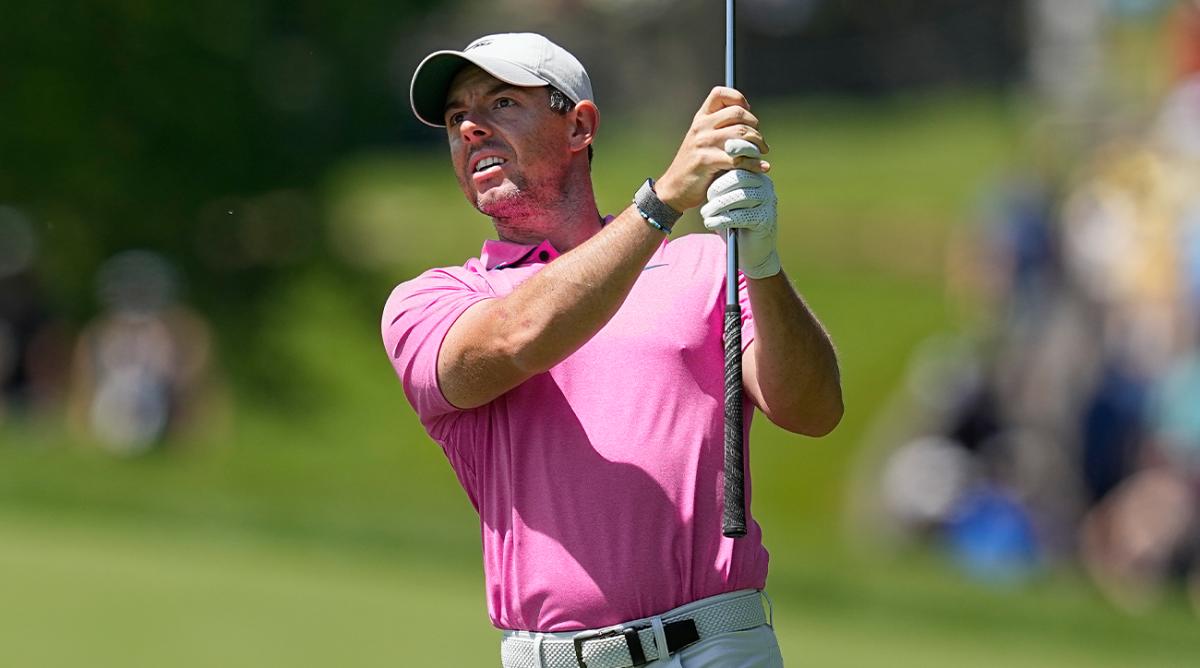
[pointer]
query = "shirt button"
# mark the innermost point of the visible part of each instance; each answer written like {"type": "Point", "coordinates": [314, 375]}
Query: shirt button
{"type": "Point", "coordinates": [544, 256]}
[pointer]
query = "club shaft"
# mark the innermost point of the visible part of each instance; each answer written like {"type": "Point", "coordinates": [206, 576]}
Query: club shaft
{"type": "Point", "coordinates": [729, 20]}
{"type": "Point", "coordinates": [731, 260]}
{"type": "Point", "coordinates": [733, 522]}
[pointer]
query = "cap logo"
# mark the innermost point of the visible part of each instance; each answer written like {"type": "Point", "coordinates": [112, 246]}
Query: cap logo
{"type": "Point", "coordinates": [478, 43]}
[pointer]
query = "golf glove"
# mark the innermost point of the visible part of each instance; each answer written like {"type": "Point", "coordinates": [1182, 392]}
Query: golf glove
{"type": "Point", "coordinates": [745, 201]}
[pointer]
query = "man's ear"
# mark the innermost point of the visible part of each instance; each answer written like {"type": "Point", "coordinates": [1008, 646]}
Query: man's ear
{"type": "Point", "coordinates": [585, 120]}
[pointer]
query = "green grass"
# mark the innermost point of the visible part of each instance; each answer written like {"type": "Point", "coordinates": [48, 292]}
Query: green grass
{"type": "Point", "coordinates": [117, 594]}
{"type": "Point", "coordinates": [124, 593]}
{"type": "Point", "coordinates": [324, 528]}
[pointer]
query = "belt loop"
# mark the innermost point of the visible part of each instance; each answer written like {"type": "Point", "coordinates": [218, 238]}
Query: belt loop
{"type": "Point", "coordinates": [660, 638]}
{"type": "Point", "coordinates": [537, 651]}
{"type": "Point", "coordinates": [770, 608]}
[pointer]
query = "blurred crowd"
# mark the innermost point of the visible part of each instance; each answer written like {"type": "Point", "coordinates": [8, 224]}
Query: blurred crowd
{"type": "Point", "coordinates": [1068, 431]}
{"type": "Point", "coordinates": [32, 360]}
{"type": "Point", "coordinates": [132, 378]}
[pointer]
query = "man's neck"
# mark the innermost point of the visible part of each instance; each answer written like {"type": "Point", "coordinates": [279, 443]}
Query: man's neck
{"type": "Point", "coordinates": [565, 223]}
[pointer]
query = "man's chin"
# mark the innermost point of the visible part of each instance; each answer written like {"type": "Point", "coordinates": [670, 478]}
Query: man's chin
{"type": "Point", "coordinates": [501, 201]}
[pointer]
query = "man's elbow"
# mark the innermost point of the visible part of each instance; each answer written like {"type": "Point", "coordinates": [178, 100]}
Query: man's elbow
{"type": "Point", "coordinates": [526, 354]}
{"type": "Point", "coordinates": [815, 418]}
{"type": "Point", "coordinates": [828, 418]}
{"type": "Point", "coordinates": [516, 343]}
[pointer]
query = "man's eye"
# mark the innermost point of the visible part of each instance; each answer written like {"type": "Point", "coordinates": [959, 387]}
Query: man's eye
{"type": "Point", "coordinates": [455, 118]}
{"type": "Point", "coordinates": [504, 102]}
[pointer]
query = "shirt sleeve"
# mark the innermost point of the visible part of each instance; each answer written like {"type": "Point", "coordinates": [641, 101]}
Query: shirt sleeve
{"type": "Point", "coordinates": [415, 321]}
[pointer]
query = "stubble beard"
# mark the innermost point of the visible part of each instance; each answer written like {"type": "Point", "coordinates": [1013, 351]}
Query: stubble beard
{"type": "Point", "coordinates": [520, 210]}
{"type": "Point", "coordinates": [505, 201]}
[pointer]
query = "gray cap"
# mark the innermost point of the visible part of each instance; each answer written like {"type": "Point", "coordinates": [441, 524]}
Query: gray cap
{"type": "Point", "coordinates": [518, 58]}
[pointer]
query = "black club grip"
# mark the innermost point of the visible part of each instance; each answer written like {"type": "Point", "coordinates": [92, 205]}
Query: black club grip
{"type": "Point", "coordinates": [733, 522]}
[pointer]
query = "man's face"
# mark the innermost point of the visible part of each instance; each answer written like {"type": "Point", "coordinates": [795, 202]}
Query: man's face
{"type": "Point", "coordinates": [509, 149]}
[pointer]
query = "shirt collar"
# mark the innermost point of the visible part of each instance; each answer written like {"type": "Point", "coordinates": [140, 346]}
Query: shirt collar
{"type": "Point", "coordinates": [503, 254]}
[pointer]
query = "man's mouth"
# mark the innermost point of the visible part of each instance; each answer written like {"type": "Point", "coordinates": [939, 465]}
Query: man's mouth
{"type": "Point", "coordinates": [487, 165]}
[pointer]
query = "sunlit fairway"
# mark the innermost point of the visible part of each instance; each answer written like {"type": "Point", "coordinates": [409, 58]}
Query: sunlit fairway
{"type": "Point", "coordinates": [116, 593]}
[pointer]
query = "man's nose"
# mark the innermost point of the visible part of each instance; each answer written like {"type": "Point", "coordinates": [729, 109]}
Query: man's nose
{"type": "Point", "coordinates": [472, 130]}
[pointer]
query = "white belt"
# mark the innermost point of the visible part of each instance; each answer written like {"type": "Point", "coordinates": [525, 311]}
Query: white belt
{"type": "Point", "coordinates": [638, 642]}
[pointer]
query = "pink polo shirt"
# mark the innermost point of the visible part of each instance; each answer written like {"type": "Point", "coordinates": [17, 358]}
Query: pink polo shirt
{"type": "Point", "coordinates": [598, 483]}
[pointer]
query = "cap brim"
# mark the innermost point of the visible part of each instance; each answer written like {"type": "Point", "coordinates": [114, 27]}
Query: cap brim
{"type": "Point", "coordinates": [431, 81]}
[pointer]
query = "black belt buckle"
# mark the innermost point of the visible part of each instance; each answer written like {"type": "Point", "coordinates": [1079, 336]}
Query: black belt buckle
{"type": "Point", "coordinates": [680, 633]}
{"type": "Point", "coordinates": [632, 640]}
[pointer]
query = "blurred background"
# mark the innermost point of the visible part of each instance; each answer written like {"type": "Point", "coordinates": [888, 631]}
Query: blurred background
{"type": "Point", "coordinates": [994, 207]}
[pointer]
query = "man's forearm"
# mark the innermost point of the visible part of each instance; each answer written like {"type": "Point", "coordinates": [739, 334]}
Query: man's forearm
{"type": "Point", "coordinates": [500, 343]}
{"type": "Point", "coordinates": [794, 365]}
{"type": "Point", "coordinates": [557, 310]}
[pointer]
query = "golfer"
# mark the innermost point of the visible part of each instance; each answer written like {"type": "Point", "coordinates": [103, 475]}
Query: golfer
{"type": "Point", "coordinates": [572, 372]}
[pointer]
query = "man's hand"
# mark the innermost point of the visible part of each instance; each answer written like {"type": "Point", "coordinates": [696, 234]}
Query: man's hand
{"type": "Point", "coordinates": [724, 115]}
{"type": "Point", "coordinates": [745, 201]}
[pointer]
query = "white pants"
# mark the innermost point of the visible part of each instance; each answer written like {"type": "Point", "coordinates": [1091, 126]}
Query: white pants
{"type": "Point", "coordinates": [752, 648]}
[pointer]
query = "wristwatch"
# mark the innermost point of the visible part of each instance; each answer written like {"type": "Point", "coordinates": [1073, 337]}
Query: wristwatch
{"type": "Point", "coordinates": [656, 212]}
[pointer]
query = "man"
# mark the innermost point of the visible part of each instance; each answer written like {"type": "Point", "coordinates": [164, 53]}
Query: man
{"type": "Point", "coordinates": [573, 372]}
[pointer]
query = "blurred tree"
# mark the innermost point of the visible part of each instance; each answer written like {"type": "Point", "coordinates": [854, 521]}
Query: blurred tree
{"type": "Point", "coordinates": [198, 130]}
{"type": "Point", "coordinates": [882, 46]}
{"type": "Point", "coordinates": [124, 120]}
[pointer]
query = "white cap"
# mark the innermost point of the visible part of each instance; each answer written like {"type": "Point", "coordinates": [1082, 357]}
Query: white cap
{"type": "Point", "coordinates": [519, 58]}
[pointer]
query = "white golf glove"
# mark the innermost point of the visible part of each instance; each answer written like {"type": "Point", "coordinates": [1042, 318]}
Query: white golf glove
{"type": "Point", "coordinates": [745, 201]}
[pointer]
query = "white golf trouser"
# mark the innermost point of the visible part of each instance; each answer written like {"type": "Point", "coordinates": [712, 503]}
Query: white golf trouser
{"type": "Point", "coordinates": [752, 648]}
{"type": "Point", "coordinates": [755, 648]}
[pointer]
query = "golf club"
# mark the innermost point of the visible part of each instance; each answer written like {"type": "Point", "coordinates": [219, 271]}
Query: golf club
{"type": "Point", "coordinates": [733, 522]}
